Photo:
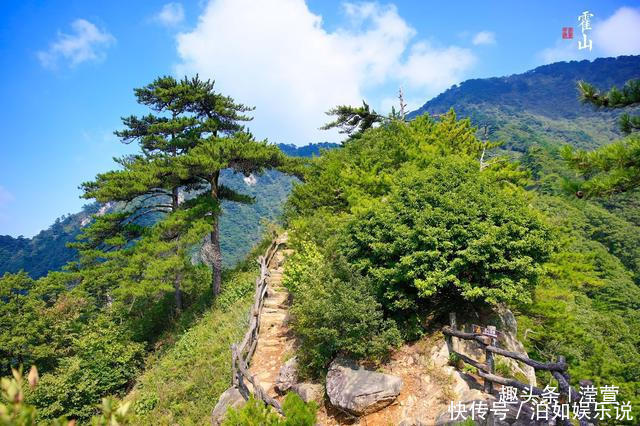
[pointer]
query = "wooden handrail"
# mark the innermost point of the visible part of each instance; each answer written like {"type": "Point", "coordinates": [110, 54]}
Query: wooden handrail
{"type": "Point", "coordinates": [242, 353]}
{"type": "Point", "coordinates": [486, 370]}
{"type": "Point", "coordinates": [481, 339]}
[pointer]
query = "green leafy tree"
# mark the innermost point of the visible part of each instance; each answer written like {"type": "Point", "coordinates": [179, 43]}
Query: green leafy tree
{"type": "Point", "coordinates": [410, 218]}
{"type": "Point", "coordinates": [24, 327]}
{"type": "Point", "coordinates": [14, 411]}
{"type": "Point", "coordinates": [449, 234]}
{"type": "Point", "coordinates": [104, 362]}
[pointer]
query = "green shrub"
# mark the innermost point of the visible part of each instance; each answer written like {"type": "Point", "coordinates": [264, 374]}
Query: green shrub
{"type": "Point", "coordinates": [503, 369]}
{"type": "Point", "coordinates": [15, 412]}
{"type": "Point", "coordinates": [105, 362]}
{"type": "Point", "coordinates": [447, 235]}
{"type": "Point", "coordinates": [256, 413]}
{"type": "Point", "coordinates": [302, 266]}
{"type": "Point", "coordinates": [334, 311]}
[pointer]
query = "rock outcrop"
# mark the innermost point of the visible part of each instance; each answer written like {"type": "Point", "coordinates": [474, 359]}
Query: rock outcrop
{"type": "Point", "coordinates": [510, 342]}
{"type": "Point", "coordinates": [229, 398]}
{"type": "Point", "coordinates": [288, 375]}
{"type": "Point", "coordinates": [359, 391]}
{"type": "Point", "coordinates": [309, 392]}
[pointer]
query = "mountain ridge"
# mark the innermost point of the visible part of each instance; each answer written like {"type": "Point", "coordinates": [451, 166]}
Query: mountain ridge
{"type": "Point", "coordinates": [535, 107]}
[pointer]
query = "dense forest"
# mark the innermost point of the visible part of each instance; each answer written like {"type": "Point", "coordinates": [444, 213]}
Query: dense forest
{"type": "Point", "coordinates": [483, 198]}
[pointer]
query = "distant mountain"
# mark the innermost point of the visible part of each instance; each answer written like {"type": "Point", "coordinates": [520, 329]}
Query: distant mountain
{"type": "Point", "coordinates": [540, 106]}
{"type": "Point", "coordinates": [307, 150]}
{"type": "Point", "coordinates": [47, 250]}
{"type": "Point", "coordinates": [240, 225]}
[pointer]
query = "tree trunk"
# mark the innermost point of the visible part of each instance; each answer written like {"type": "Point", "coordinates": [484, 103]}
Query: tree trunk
{"type": "Point", "coordinates": [175, 192]}
{"type": "Point", "coordinates": [177, 294]}
{"type": "Point", "coordinates": [216, 254]}
{"type": "Point", "coordinates": [216, 258]}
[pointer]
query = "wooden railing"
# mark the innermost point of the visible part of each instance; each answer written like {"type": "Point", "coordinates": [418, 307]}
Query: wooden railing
{"type": "Point", "coordinates": [241, 353]}
{"type": "Point", "coordinates": [487, 370]}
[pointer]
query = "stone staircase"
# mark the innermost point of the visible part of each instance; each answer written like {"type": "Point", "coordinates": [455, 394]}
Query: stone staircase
{"type": "Point", "coordinates": [275, 341]}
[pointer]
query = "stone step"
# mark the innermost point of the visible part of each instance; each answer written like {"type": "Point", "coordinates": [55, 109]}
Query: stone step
{"type": "Point", "coordinates": [277, 293]}
{"type": "Point", "coordinates": [272, 342]}
{"type": "Point", "coordinates": [270, 317]}
{"type": "Point", "coordinates": [265, 375]}
{"type": "Point", "coordinates": [275, 304]}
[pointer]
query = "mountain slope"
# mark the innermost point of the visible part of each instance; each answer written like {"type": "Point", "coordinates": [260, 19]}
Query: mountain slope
{"type": "Point", "coordinates": [48, 249]}
{"type": "Point", "coordinates": [540, 106]}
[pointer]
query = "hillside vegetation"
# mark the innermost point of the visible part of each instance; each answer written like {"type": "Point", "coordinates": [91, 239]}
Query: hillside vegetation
{"type": "Point", "coordinates": [401, 224]}
{"type": "Point", "coordinates": [413, 227]}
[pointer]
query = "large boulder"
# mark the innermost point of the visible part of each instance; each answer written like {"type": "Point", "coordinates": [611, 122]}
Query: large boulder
{"type": "Point", "coordinates": [229, 398]}
{"type": "Point", "coordinates": [288, 375]}
{"type": "Point", "coordinates": [309, 391]}
{"type": "Point", "coordinates": [358, 391]}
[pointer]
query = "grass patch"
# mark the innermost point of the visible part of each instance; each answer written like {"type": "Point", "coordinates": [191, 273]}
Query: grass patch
{"type": "Point", "coordinates": [183, 381]}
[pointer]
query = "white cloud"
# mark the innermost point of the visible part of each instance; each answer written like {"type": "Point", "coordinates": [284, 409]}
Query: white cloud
{"type": "Point", "coordinates": [5, 196]}
{"type": "Point", "coordinates": [86, 43]}
{"type": "Point", "coordinates": [563, 50]}
{"type": "Point", "coordinates": [170, 15]}
{"type": "Point", "coordinates": [425, 65]}
{"type": "Point", "coordinates": [484, 37]}
{"type": "Point", "coordinates": [277, 55]}
{"type": "Point", "coordinates": [619, 34]}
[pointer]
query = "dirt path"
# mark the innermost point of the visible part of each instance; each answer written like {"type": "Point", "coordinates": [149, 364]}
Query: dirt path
{"type": "Point", "coordinates": [429, 384]}
{"type": "Point", "coordinates": [275, 341]}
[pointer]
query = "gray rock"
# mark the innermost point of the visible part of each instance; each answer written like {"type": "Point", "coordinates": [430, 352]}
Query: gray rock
{"type": "Point", "coordinates": [358, 391]}
{"type": "Point", "coordinates": [309, 391]}
{"type": "Point", "coordinates": [229, 398]}
{"type": "Point", "coordinates": [288, 375]}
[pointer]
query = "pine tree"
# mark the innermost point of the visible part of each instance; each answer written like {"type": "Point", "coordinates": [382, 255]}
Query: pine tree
{"type": "Point", "coordinates": [238, 152]}
{"type": "Point", "coordinates": [613, 168]}
{"type": "Point", "coordinates": [184, 114]}
{"type": "Point", "coordinates": [615, 98]}
{"type": "Point", "coordinates": [353, 120]}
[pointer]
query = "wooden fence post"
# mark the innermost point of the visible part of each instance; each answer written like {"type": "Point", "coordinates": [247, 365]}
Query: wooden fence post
{"type": "Point", "coordinates": [234, 373]}
{"type": "Point", "coordinates": [451, 346]}
{"type": "Point", "coordinates": [488, 385]}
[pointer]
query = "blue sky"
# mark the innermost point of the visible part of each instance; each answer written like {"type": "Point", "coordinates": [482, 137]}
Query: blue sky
{"type": "Point", "coordinates": [68, 69]}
